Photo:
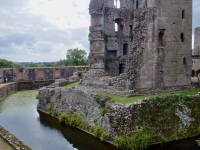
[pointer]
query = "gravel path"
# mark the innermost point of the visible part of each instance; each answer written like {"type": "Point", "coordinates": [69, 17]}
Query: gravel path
{"type": "Point", "coordinates": [4, 84]}
{"type": "Point", "coordinates": [4, 145]}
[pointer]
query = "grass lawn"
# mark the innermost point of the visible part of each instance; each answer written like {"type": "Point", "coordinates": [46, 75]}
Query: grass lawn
{"type": "Point", "coordinates": [71, 85]}
{"type": "Point", "coordinates": [125, 100]}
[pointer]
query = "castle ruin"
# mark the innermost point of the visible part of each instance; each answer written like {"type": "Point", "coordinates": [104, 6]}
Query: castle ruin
{"type": "Point", "coordinates": [197, 41]}
{"type": "Point", "coordinates": [141, 43]}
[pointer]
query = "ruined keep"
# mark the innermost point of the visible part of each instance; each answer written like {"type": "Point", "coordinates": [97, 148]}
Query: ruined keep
{"type": "Point", "coordinates": [145, 42]}
{"type": "Point", "coordinates": [197, 41]}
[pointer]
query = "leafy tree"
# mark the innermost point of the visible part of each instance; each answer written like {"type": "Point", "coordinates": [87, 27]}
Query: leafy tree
{"type": "Point", "coordinates": [76, 57]}
{"type": "Point", "coordinates": [61, 63]}
{"type": "Point", "coordinates": [6, 64]}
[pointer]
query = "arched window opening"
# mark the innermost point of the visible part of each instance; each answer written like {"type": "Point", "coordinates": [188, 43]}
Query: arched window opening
{"type": "Point", "coordinates": [183, 14]}
{"type": "Point", "coordinates": [184, 61]}
{"type": "Point", "coordinates": [160, 38]}
{"type": "Point", "coordinates": [115, 3]}
{"type": "Point", "coordinates": [118, 4]}
{"type": "Point", "coordinates": [125, 49]}
{"type": "Point", "coordinates": [116, 27]}
{"type": "Point", "coordinates": [137, 4]}
{"type": "Point", "coordinates": [193, 73]}
{"type": "Point", "coordinates": [182, 37]}
{"type": "Point", "coordinates": [121, 28]}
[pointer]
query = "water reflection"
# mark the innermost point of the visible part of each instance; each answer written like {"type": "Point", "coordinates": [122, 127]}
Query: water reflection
{"type": "Point", "coordinates": [19, 116]}
{"type": "Point", "coordinates": [40, 132]}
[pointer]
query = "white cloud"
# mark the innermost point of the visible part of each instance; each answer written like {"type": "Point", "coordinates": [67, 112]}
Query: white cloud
{"type": "Point", "coordinates": [43, 30]}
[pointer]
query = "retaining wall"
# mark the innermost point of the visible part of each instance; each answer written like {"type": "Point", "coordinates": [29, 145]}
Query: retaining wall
{"type": "Point", "coordinates": [29, 74]}
{"type": "Point", "coordinates": [1, 75]}
{"type": "Point", "coordinates": [168, 118]}
{"type": "Point", "coordinates": [8, 89]}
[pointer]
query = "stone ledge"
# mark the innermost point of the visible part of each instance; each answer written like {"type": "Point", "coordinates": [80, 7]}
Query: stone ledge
{"type": "Point", "coordinates": [12, 140]}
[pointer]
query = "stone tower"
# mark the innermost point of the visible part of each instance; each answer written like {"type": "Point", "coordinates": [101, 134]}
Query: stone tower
{"type": "Point", "coordinates": [144, 43]}
{"type": "Point", "coordinates": [197, 41]}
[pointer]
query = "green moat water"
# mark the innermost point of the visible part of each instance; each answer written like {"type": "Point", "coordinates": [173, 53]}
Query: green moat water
{"type": "Point", "coordinates": [19, 116]}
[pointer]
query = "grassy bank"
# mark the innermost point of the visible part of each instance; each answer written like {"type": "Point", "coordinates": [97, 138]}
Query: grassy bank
{"type": "Point", "coordinates": [126, 100]}
{"type": "Point", "coordinates": [74, 84]}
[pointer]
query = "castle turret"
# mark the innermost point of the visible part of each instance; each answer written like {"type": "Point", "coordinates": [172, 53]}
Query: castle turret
{"type": "Point", "coordinates": [96, 36]}
{"type": "Point", "coordinates": [197, 41]}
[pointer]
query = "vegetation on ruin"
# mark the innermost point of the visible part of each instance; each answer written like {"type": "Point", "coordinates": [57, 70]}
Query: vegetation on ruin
{"type": "Point", "coordinates": [76, 120]}
{"type": "Point", "coordinates": [139, 140]}
{"type": "Point", "coordinates": [74, 84]}
{"type": "Point", "coordinates": [100, 132]}
{"type": "Point", "coordinates": [37, 96]}
{"type": "Point", "coordinates": [162, 121]}
{"type": "Point", "coordinates": [125, 100]}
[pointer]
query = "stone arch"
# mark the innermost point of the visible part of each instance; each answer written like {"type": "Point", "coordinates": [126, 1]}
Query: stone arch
{"type": "Point", "coordinates": [120, 25]}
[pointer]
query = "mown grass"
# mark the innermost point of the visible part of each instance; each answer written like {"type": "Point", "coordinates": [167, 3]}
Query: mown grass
{"type": "Point", "coordinates": [126, 100]}
{"type": "Point", "coordinates": [74, 84]}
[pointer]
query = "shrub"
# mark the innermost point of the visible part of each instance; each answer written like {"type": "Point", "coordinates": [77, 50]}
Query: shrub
{"type": "Point", "coordinates": [103, 111]}
{"type": "Point", "coordinates": [76, 121]}
{"type": "Point", "coordinates": [139, 140]}
{"type": "Point", "coordinates": [101, 133]}
{"type": "Point", "coordinates": [37, 96]}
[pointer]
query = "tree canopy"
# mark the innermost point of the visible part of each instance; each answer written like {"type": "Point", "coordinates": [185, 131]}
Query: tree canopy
{"type": "Point", "coordinates": [76, 57]}
{"type": "Point", "coordinates": [6, 64]}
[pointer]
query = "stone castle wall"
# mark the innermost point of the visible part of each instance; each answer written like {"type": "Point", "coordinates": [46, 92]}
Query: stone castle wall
{"type": "Point", "coordinates": [1, 75]}
{"type": "Point", "coordinates": [151, 45]}
{"type": "Point", "coordinates": [8, 89]}
{"type": "Point", "coordinates": [166, 58]}
{"type": "Point", "coordinates": [197, 41]}
{"type": "Point", "coordinates": [172, 117]}
{"type": "Point", "coordinates": [27, 74]}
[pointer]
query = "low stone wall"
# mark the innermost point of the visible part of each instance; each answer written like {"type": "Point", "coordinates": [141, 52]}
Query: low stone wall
{"type": "Point", "coordinates": [1, 75]}
{"type": "Point", "coordinates": [167, 118]}
{"type": "Point", "coordinates": [8, 89]}
{"type": "Point", "coordinates": [30, 85]}
{"type": "Point", "coordinates": [29, 74]}
{"type": "Point", "coordinates": [12, 140]}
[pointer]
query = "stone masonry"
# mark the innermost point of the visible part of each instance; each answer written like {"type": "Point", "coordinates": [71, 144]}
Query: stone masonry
{"type": "Point", "coordinates": [147, 41]}
{"type": "Point", "coordinates": [1, 75]}
{"type": "Point", "coordinates": [197, 41]}
{"type": "Point", "coordinates": [196, 52]}
{"type": "Point", "coordinates": [37, 74]}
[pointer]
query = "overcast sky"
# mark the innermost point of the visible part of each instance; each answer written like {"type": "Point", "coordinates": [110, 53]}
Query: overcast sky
{"type": "Point", "coordinates": [43, 30]}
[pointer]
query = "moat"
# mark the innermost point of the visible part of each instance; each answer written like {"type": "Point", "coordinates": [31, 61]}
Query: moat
{"type": "Point", "coordinates": [18, 114]}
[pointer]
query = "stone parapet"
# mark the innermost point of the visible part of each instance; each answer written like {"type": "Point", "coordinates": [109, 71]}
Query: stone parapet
{"type": "Point", "coordinates": [1, 75]}
{"type": "Point", "coordinates": [7, 89]}
{"type": "Point", "coordinates": [36, 74]}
